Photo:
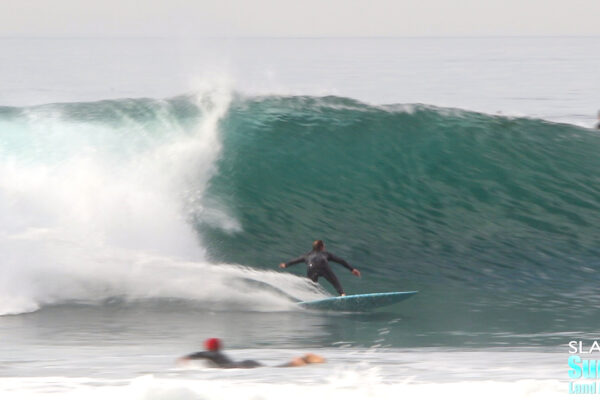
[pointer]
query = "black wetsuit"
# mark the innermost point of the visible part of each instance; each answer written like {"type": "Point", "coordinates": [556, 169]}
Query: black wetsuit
{"type": "Point", "coordinates": [221, 360]}
{"type": "Point", "coordinates": [318, 265]}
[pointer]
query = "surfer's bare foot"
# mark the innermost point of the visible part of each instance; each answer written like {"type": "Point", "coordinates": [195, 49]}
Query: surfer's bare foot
{"type": "Point", "coordinates": [311, 358]}
{"type": "Point", "coordinates": [342, 295]}
{"type": "Point", "coordinates": [297, 362]}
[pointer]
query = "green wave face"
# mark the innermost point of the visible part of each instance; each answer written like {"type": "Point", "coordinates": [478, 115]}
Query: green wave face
{"type": "Point", "coordinates": [494, 220]}
{"type": "Point", "coordinates": [415, 196]}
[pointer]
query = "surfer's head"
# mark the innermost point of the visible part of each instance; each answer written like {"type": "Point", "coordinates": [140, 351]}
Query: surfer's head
{"type": "Point", "coordinates": [212, 344]}
{"type": "Point", "coordinates": [318, 245]}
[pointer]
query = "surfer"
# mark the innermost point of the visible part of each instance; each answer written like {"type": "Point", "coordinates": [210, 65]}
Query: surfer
{"type": "Point", "coordinates": [218, 359]}
{"type": "Point", "coordinates": [317, 261]}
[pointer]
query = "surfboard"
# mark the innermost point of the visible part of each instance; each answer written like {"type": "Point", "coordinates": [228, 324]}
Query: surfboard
{"type": "Point", "coordinates": [357, 302]}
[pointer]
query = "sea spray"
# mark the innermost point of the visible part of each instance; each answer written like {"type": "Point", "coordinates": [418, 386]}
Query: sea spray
{"type": "Point", "coordinates": [97, 202]}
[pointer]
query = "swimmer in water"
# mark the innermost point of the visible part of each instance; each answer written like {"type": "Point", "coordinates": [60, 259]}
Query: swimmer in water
{"type": "Point", "coordinates": [217, 359]}
{"type": "Point", "coordinates": [317, 261]}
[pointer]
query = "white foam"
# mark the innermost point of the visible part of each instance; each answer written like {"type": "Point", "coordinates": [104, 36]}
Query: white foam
{"type": "Point", "coordinates": [90, 211]}
{"type": "Point", "coordinates": [349, 386]}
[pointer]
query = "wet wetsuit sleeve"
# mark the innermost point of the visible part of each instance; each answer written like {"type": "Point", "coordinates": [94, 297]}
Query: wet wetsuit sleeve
{"type": "Point", "coordinates": [338, 260]}
{"type": "Point", "coordinates": [221, 360]}
{"type": "Point", "coordinates": [199, 355]}
{"type": "Point", "coordinates": [218, 358]}
{"type": "Point", "coordinates": [298, 260]}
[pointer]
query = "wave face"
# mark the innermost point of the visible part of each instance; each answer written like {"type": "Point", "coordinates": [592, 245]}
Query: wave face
{"type": "Point", "coordinates": [141, 198]}
{"type": "Point", "coordinates": [477, 211]}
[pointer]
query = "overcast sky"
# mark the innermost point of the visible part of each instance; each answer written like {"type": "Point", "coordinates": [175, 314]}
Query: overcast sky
{"type": "Point", "coordinates": [238, 18]}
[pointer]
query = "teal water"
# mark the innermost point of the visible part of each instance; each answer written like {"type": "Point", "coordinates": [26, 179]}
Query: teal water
{"type": "Point", "coordinates": [493, 219]}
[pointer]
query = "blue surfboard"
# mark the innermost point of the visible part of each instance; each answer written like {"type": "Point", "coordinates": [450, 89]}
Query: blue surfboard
{"type": "Point", "coordinates": [357, 302]}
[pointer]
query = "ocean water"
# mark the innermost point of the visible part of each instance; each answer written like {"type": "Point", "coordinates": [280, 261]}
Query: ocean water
{"type": "Point", "coordinates": [150, 187]}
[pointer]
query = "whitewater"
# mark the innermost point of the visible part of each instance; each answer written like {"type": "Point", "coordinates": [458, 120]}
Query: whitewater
{"type": "Point", "coordinates": [150, 187]}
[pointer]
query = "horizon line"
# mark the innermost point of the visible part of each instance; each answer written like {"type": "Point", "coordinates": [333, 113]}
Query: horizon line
{"type": "Point", "coordinates": [297, 37]}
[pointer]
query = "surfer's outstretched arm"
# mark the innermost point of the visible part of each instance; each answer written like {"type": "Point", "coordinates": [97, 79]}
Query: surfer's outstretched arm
{"type": "Point", "coordinates": [298, 260]}
{"type": "Point", "coordinates": [216, 357]}
{"type": "Point", "coordinates": [341, 261]}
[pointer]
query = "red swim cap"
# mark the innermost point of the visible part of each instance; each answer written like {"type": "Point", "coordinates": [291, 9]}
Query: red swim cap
{"type": "Point", "coordinates": [212, 344]}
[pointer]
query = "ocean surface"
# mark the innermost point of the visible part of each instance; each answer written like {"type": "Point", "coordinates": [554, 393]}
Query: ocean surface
{"type": "Point", "coordinates": [150, 187]}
